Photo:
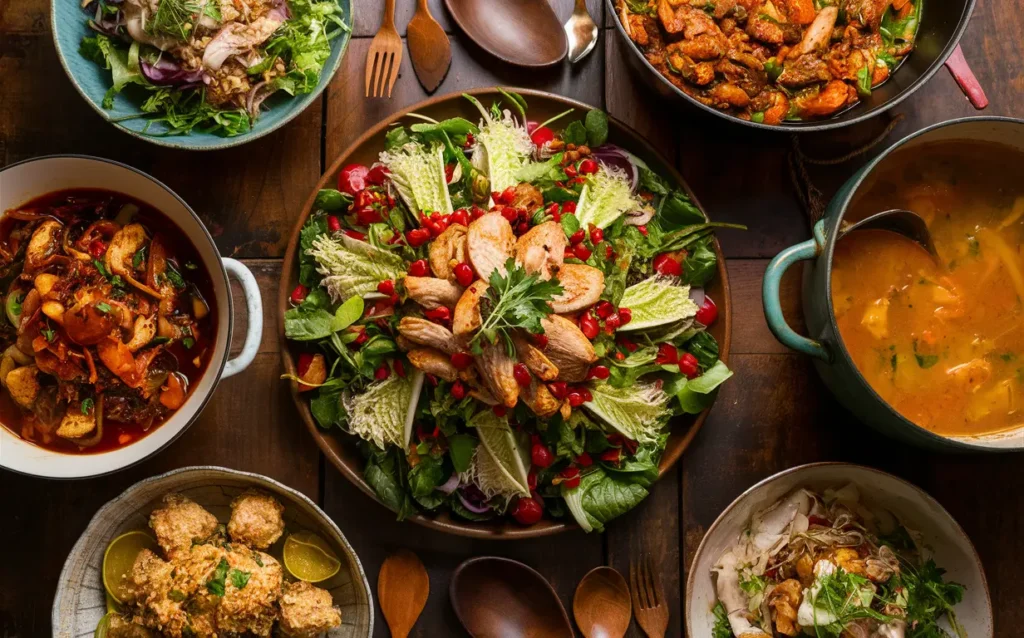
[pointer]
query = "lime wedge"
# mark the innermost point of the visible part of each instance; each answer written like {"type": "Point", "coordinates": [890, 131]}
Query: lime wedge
{"type": "Point", "coordinates": [499, 465]}
{"type": "Point", "coordinates": [103, 628]}
{"type": "Point", "coordinates": [112, 605]}
{"type": "Point", "coordinates": [656, 302]}
{"type": "Point", "coordinates": [308, 557]}
{"type": "Point", "coordinates": [118, 561]}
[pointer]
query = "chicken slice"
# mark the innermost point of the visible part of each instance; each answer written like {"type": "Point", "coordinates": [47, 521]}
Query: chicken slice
{"type": "Point", "coordinates": [44, 243]}
{"type": "Point", "coordinates": [582, 286]}
{"type": "Point", "coordinates": [496, 370]}
{"type": "Point", "coordinates": [817, 35]}
{"type": "Point", "coordinates": [534, 358]}
{"type": "Point", "coordinates": [467, 311]}
{"type": "Point", "coordinates": [238, 37]}
{"type": "Point", "coordinates": [433, 362]}
{"type": "Point", "coordinates": [542, 250]}
{"type": "Point", "coordinates": [539, 399]}
{"type": "Point", "coordinates": [568, 348]}
{"type": "Point", "coordinates": [448, 250]}
{"type": "Point", "coordinates": [123, 246]}
{"type": "Point", "coordinates": [428, 333]}
{"type": "Point", "coordinates": [431, 292]}
{"type": "Point", "coordinates": [489, 244]}
{"type": "Point", "coordinates": [527, 197]}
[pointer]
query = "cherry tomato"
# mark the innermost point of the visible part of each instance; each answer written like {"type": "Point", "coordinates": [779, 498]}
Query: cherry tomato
{"type": "Point", "coordinates": [521, 374]}
{"type": "Point", "coordinates": [664, 264]}
{"type": "Point", "coordinates": [299, 293]}
{"type": "Point", "coordinates": [386, 287]}
{"type": "Point", "coordinates": [418, 268]}
{"type": "Point", "coordinates": [609, 253]}
{"type": "Point", "coordinates": [540, 455]}
{"type": "Point", "coordinates": [708, 312]}
{"type": "Point", "coordinates": [377, 175]}
{"type": "Point", "coordinates": [462, 360]}
{"type": "Point", "coordinates": [458, 390]}
{"type": "Point", "coordinates": [667, 355]}
{"type": "Point", "coordinates": [542, 135]}
{"type": "Point", "coordinates": [688, 365]}
{"type": "Point", "coordinates": [508, 195]}
{"type": "Point", "coordinates": [588, 167]}
{"type": "Point", "coordinates": [527, 511]}
{"type": "Point", "coordinates": [333, 224]}
{"type": "Point", "coordinates": [570, 171]}
{"type": "Point", "coordinates": [367, 215]}
{"type": "Point", "coordinates": [352, 178]}
{"type": "Point", "coordinates": [642, 229]}
{"type": "Point", "coordinates": [599, 372]}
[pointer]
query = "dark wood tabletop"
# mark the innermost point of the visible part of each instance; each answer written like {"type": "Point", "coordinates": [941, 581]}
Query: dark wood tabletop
{"type": "Point", "coordinates": [773, 415]}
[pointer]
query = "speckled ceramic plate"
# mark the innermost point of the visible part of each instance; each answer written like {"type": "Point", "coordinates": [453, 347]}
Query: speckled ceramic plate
{"type": "Point", "coordinates": [79, 604]}
{"type": "Point", "coordinates": [68, 24]}
{"type": "Point", "coordinates": [947, 541]}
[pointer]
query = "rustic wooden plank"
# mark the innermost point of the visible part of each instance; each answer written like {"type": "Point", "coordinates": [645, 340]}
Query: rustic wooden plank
{"type": "Point", "coordinates": [249, 425]}
{"type": "Point", "coordinates": [750, 334]}
{"type": "Point", "coordinates": [368, 15]}
{"type": "Point", "coordinates": [349, 113]}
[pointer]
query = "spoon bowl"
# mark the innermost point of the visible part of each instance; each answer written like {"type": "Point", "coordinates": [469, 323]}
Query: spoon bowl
{"type": "Point", "coordinates": [903, 222]}
{"type": "Point", "coordinates": [495, 597]}
{"type": "Point", "coordinates": [581, 32]}
{"type": "Point", "coordinates": [601, 606]}
{"type": "Point", "coordinates": [402, 590]}
{"type": "Point", "coordinates": [524, 32]}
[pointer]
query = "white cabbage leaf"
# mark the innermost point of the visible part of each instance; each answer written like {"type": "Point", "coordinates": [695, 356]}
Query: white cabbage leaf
{"type": "Point", "coordinates": [352, 267]}
{"type": "Point", "coordinates": [655, 302]}
{"type": "Point", "coordinates": [638, 412]}
{"type": "Point", "coordinates": [606, 196]}
{"type": "Point", "coordinates": [497, 467]}
{"type": "Point", "coordinates": [502, 149]}
{"type": "Point", "coordinates": [417, 171]}
{"type": "Point", "coordinates": [378, 413]}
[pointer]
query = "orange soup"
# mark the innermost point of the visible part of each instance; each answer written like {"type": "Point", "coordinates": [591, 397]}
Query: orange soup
{"type": "Point", "coordinates": [942, 342]}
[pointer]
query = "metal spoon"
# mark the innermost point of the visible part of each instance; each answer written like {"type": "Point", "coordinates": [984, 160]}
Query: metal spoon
{"type": "Point", "coordinates": [581, 32]}
{"type": "Point", "coordinates": [903, 222]}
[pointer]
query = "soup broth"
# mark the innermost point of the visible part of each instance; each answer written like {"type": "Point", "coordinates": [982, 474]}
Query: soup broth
{"type": "Point", "coordinates": [941, 342]}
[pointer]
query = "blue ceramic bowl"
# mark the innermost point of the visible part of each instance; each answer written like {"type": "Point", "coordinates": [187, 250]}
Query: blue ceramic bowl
{"type": "Point", "coordinates": [68, 24]}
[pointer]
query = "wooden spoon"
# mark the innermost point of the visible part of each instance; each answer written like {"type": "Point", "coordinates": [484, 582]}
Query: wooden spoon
{"type": "Point", "coordinates": [523, 32]}
{"type": "Point", "coordinates": [402, 590]}
{"type": "Point", "coordinates": [429, 49]}
{"type": "Point", "coordinates": [497, 597]}
{"type": "Point", "coordinates": [601, 605]}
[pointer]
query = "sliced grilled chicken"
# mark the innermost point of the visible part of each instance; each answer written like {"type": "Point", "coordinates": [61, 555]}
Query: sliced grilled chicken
{"type": "Point", "coordinates": [431, 292]}
{"type": "Point", "coordinates": [568, 348]}
{"type": "Point", "coordinates": [538, 398]}
{"type": "Point", "coordinates": [534, 358]}
{"type": "Point", "coordinates": [489, 244]}
{"type": "Point", "coordinates": [434, 362]}
{"type": "Point", "coordinates": [405, 344]}
{"type": "Point", "coordinates": [428, 333]}
{"type": "Point", "coordinates": [467, 311]}
{"type": "Point", "coordinates": [527, 197]}
{"type": "Point", "coordinates": [448, 250]}
{"type": "Point", "coordinates": [542, 249]}
{"type": "Point", "coordinates": [582, 286]}
{"type": "Point", "coordinates": [496, 371]}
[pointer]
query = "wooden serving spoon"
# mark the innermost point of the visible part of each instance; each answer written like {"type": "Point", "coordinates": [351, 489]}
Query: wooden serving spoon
{"type": "Point", "coordinates": [601, 605]}
{"type": "Point", "coordinates": [497, 597]}
{"type": "Point", "coordinates": [521, 32]}
{"type": "Point", "coordinates": [402, 589]}
{"type": "Point", "coordinates": [429, 48]}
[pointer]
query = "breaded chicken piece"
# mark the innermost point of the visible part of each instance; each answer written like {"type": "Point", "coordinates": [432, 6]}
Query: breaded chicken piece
{"type": "Point", "coordinates": [256, 519]}
{"type": "Point", "coordinates": [180, 523]}
{"type": "Point", "coordinates": [251, 607]}
{"type": "Point", "coordinates": [307, 611]}
{"type": "Point", "coordinates": [121, 627]}
{"type": "Point", "coordinates": [155, 594]}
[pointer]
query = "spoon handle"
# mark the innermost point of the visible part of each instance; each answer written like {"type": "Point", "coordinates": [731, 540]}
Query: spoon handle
{"type": "Point", "coordinates": [581, 6]}
{"type": "Point", "coordinates": [389, 13]}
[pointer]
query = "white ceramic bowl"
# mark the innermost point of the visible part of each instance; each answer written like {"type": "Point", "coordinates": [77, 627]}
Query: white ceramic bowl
{"type": "Point", "coordinates": [79, 603]}
{"type": "Point", "coordinates": [952, 549]}
{"type": "Point", "coordinates": [27, 180]}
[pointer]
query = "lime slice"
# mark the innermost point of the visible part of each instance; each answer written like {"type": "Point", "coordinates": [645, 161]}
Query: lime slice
{"type": "Point", "coordinates": [308, 557]}
{"type": "Point", "coordinates": [118, 561]}
{"type": "Point", "coordinates": [656, 302]}
{"type": "Point", "coordinates": [499, 465]}
{"type": "Point", "coordinates": [112, 605]}
{"type": "Point", "coordinates": [103, 628]}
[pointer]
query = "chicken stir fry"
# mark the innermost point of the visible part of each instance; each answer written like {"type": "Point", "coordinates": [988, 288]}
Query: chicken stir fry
{"type": "Point", "coordinates": [214, 580]}
{"type": "Point", "coordinates": [107, 324]}
{"type": "Point", "coordinates": [770, 61]}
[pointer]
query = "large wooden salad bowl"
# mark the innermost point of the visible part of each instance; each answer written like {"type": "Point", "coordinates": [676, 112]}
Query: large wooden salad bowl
{"type": "Point", "coordinates": [339, 447]}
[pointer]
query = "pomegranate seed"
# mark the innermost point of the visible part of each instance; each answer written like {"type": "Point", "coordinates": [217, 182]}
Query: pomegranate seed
{"type": "Point", "coordinates": [463, 274]}
{"type": "Point", "coordinates": [499, 410]}
{"type": "Point", "coordinates": [664, 264]}
{"type": "Point", "coordinates": [559, 389]}
{"type": "Point", "coordinates": [449, 172]}
{"type": "Point", "coordinates": [522, 228]}
{"type": "Point", "coordinates": [386, 287]}
{"type": "Point", "coordinates": [584, 460]}
{"type": "Point", "coordinates": [458, 390]}
{"type": "Point", "coordinates": [361, 338]}
{"type": "Point", "coordinates": [570, 171]}
{"type": "Point", "coordinates": [609, 254]}
{"type": "Point", "coordinates": [527, 511]}
{"type": "Point", "coordinates": [588, 325]}
{"type": "Point", "coordinates": [569, 254]}
{"type": "Point", "coordinates": [569, 207]}
{"type": "Point", "coordinates": [626, 343]}
{"type": "Point", "coordinates": [625, 315]}
{"type": "Point", "coordinates": [612, 455]}
{"type": "Point", "coordinates": [476, 212]}
{"type": "Point", "coordinates": [667, 355]}
{"type": "Point", "coordinates": [541, 341]}
{"type": "Point", "coordinates": [438, 314]}
{"type": "Point", "coordinates": [612, 323]}
{"type": "Point", "coordinates": [399, 368]}
{"type": "Point", "coordinates": [508, 195]}
{"type": "Point", "coordinates": [577, 237]}
{"type": "Point", "coordinates": [619, 356]}
{"type": "Point", "coordinates": [521, 374]}
{"type": "Point", "coordinates": [585, 393]}
{"type": "Point", "coordinates": [418, 268]}
{"type": "Point", "coordinates": [541, 136]}
{"type": "Point", "coordinates": [355, 234]}
{"type": "Point", "coordinates": [604, 309]}
{"type": "Point", "coordinates": [377, 175]}
{"type": "Point", "coordinates": [417, 236]}
{"type": "Point", "coordinates": [570, 472]}
{"type": "Point", "coordinates": [531, 479]}
{"type": "Point", "coordinates": [582, 252]}
{"type": "Point", "coordinates": [383, 372]}
{"type": "Point", "coordinates": [469, 140]}
{"type": "Point", "coordinates": [460, 217]}
{"type": "Point", "coordinates": [588, 167]}
{"type": "Point", "coordinates": [688, 365]}
{"type": "Point", "coordinates": [708, 312]}
{"type": "Point", "coordinates": [393, 299]}
{"type": "Point", "coordinates": [552, 209]}
{"type": "Point", "coordinates": [642, 229]}
{"type": "Point", "coordinates": [333, 224]}
{"type": "Point", "coordinates": [575, 399]}
{"type": "Point", "coordinates": [596, 235]}
{"type": "Point", "coordinates": [462, 360]}
{"type": "Point", "coordinates": [299, 293]}
{"type": "Point", "coordinates": [572, 483]}
{"type": "Point", "coordinates": [540, 455]}
{"type": "Point", "coordinates": [599, 372]}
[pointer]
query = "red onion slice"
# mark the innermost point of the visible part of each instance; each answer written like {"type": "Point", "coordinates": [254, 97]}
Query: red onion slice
{"type": "Point", "coordinates": [449, 485]}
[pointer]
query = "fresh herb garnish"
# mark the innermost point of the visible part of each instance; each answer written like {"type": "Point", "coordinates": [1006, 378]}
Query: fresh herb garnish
{"type": "Point", "coordinates": [102, 307]}
{"type": "Point", "coordinates": [239, 578]}
{"type": "Point", "coordinates": [176, 18]}
{"type": "Point", "coordinates": [49, 334]}
{"type": "Point", "coordinates": [257, 559]}
{"type": "Point", "coordinates": [174, 276]}
{"type": "Point", "coordinates": [176, 595]}
{"type": "Point", "coordinates": [100, 267]}
{"type": "Point", "coordinates": [139, 257]}
{"type": "Point", "coordinates": [188, 342]}
{"type": "Point", "coordinates": [216, 583]}
{"type": "Point", "coordinates": [722, 629]}
{"type": "Point", "coordinates": [87, 405]}
{"type": "Point", "coordinates": [514, 300]}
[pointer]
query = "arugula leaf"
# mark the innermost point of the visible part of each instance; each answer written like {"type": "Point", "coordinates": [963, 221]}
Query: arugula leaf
{"type": "Point", "coordinates": [216, 583]}
{"type": "Point", "coordinates": [514, 300]}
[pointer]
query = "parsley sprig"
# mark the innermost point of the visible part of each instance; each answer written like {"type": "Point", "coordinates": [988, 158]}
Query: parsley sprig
{"type": "Point", "coordinates": [515, 299]}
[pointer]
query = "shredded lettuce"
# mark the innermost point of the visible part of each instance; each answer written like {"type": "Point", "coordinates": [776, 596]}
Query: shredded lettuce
{"type": "Point", "coordinates": [417, 171]}
{"type": "Point", "coordinates": [637, 411]}
{"type": "Point", "coordinates": [655, 302]}
{"type": "Point", "coordinates": [605, 197]}
{"type": "Point", "coordinates": [378, 412]}
{"type": "Point", "coordinates": [352, 267]}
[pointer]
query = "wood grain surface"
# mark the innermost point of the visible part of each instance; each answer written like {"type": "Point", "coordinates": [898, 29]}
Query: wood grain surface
{"type": "Point", "coordinates": [775, 413]}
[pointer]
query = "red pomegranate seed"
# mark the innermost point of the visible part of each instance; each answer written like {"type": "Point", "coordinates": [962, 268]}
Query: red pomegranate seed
{"type": "Point", "coordinates": [569, 207]}
{"type": "Point", "coordinates": [604, 309]}
{"type": "Point", "coordinates": [596, 235]}
{"type": "Point", "coordinates": [386, 287]}
{"type": "Point", "coordinates": [399, 368]}
{"type": "Point", "coordinates": [642, 229]}
{"type": "Point", "coordinates": [708, 312]}
{"type": "Point", "coordinates": [575, 399]}
{"type": "Point", "coordinates": [625, 315]}
{"type": "Point", "coordinates": [463, 274]}
{"type": "Point", "coordinates": [541, 341]}
{"type": "Point", "coordinates": [667, 355]}
{"type": "Point", "coordinates": [612, 323]}
{"type": "Point", "coordinates": [664, 264]}
{"type": "Point", "coordinates": [333, 224]}
{"type": "Point", "coordinates": [584, 460]}
{"type": "Point", "coordinates": [581, 252]}
{"type": "Point", "coordinates": [559, 389]}
{"type": "Point", "coordinates": [299, 293]}
{"type": "Point", "coordinates": [462, 360]}
{"type": "Point", "coordinates": [612, 455]}
{"type": "Point", "coordinates": [570, 171]}
{"type": "Point", "coordinates": [577, 237]}
{"type": "Point", "coordinates": [589, 326]}
{"type": "Point", "coordinates": [438, 314]}
{"type": "Point", "coordinates": [458, 390]}
{"type": "Point", "coordinates": [383, 372]}
{"type": "Point", "coordinates": [417, 236]}
{"type": "Point", "coordinates": [461, 217]}
{"type": "Point", "coordinates": [418, 268]}
{"type": "Point", "coordinates": [521, 374]}
{"type": "Point", "coordinates": [688, 365]}
{"type": "Point", "coordinates": [540, 455]}
{"type": "Point", "coordinates": [599, 372]}
{"type": "Point", "coordinates": [499, 410]}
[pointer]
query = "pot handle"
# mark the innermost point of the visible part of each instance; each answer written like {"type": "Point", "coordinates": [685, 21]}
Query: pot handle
{"type": "Point", "coordinates": [964, 76]}
{"type": "Point", "coordinates": [770, 296]}
{"type": "Point", "coordinates": [254, 307]}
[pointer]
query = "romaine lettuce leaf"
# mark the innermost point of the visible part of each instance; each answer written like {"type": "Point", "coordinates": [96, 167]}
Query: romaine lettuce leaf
{"type": "Point", "coordinates": [417, 171]}
{"type": "Point", "coordinates": [606, 196]}
{"type": "Point", "coordinates": [502, 148]}
{"type": "Point", "coordinates": [655, 302]}
{"type": "Point", "coordinates": [638, 411]}
{"type": "Point", "coordinates": [352, 267]}
{"type": "Point", "coordinates": [600, 497]}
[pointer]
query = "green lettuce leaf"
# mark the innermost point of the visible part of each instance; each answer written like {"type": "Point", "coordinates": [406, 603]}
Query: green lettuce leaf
{"type": "Point", "coordinates": [606, 196]}
{"type": "Point", "coordinates": [417, 171]}
{"type": "Point", "coordinates": [637, 411]}
{"type": "Point", "coordinates": [599, 498]}
{"type": "Point", "coordinates": [352, 267]}
{"type": "Point", "coordinates": [655, 302]}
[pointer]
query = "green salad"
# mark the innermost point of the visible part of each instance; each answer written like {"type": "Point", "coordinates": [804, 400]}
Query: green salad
{"type": "Point", "coordinates": [507, 315]}
{"type": "Point", "coordinates": [208, 65]}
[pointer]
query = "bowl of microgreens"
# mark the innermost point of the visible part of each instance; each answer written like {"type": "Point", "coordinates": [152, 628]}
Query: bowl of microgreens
{"type": "Point", "coordinates": [835, 549]}
{"type": "Point", "coordinates": [200, 74]}
{"type": "Point", "coordinates": [504, 315]}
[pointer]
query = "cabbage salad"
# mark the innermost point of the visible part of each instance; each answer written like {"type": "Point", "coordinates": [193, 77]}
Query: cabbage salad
{"type": "Point", "coordinates": [209, 65]}
{"type": "Point", "coordinates": [507, 314]}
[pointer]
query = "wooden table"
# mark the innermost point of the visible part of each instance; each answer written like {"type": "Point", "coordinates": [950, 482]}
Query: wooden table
{"type": "Point", "coordinates": [773, 415]}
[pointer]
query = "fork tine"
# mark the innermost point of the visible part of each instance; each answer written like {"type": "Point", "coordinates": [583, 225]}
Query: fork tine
{"type": "Point", "coordinates": [393, 72]}
{"type": "Point", "coordinates": [371, 65]}
{"type": "Point", "coordinates": [385, 72]}
{"type": "Point", "coordinates": [634, 589]}
{"type": "Point", "coordinates": [651, 586]}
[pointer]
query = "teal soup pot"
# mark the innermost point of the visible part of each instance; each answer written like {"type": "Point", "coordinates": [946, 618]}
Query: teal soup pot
{"type": "Point", "coordinates": [831, 357]}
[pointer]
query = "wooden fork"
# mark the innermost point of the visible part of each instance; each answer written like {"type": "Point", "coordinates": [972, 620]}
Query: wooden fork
{"type": "Point", "coordinates": [649, 606]}
{"type": "Point", "coordinates": [385, 55]}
